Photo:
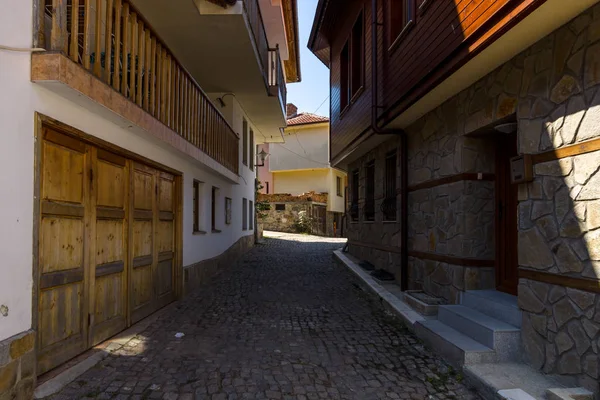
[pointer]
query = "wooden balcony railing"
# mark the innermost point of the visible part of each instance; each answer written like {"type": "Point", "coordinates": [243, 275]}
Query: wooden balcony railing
{"type": "Point", "coordinates": [112, 41]}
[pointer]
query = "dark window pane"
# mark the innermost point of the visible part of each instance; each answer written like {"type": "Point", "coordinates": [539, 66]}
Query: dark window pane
{"type": "Point", "coordinates": [370, 191]}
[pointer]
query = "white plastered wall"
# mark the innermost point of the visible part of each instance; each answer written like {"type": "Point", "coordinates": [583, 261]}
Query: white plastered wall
{"type": "Point", "coordinates": [19, 101]}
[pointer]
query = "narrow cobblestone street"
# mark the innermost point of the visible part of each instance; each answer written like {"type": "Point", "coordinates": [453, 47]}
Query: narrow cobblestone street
{"type": "Point", "coordinates": [286, 322]}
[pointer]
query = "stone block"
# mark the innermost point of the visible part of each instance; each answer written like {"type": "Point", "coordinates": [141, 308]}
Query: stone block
{"type": "Point", "coordinates": [575, 111]}
{"type": "Point", "coordinates": [22, 345]}
{"type": "Point", "coordinates": [547, 225]}
{"type": "Point", "coordinates": [530, 132]}
{"type": "Point", "coordinates": [563, 311]}
{"type": "Point", "coordinates": [582, 342]}
{"type": "Point", "coordinates": [569, 394]}
{"type": "Point", "coordinates": [592, 66]}
{"type": "Point", "coordinates": [8, 376]}
{"type": "Point", "coordinates": [528, 301]}
{"type": "Point", "coordinates": [589, 126]}
{"type": "Point", "coordinates": [533, 250]}
{"type": "Point", "coordinates": [565, 89]}
{"type": "Point", "coordinates": [569, 363]}
{"type": "Point", "coordinates": [541, 208]}
{"type": "Point", "coordinates": [563, 342]}
{"type": "Point", "coordinates": [4, 354]}
{"type": "Point", "coordinates": [28, 365]}
{"type": "Point", "coordinates": [533, 343]}
{"type": "Point", "coordinates": [581, 298]}
{"type": "Point", "coordinates": [562, 167]}
{"type": "Point", "coordinates": [593, 244]}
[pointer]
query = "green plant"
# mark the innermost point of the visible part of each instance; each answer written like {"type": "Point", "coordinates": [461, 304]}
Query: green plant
{"type": "Point", "coordinates": [303, 224]}
{"type": "Point", "coordinates": [261, 206]}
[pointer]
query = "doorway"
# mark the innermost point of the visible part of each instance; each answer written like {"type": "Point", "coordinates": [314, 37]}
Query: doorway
{"type": "Point", "coordinates": [506, 217]}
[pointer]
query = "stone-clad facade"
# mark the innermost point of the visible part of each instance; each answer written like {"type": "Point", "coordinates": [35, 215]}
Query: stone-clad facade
{"type": "Point", "coordinates": [552, 90]}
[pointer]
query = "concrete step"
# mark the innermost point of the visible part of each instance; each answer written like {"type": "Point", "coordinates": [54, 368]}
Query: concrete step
{"type": "Point", "coordinates": [495, 380]}
{"type": "Point", "coordinates": [457, 348]}
{"type": "Point", "coordinates": [501, 306]}
{"type": "Point", "coordinates": [503, 338]}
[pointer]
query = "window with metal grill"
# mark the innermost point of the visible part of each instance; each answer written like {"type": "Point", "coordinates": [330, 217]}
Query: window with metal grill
{"type": "Point", "coordinates": [251, 215]}
{"type": "Point", "coordinates": [370, 191]}
{"type": "Point", "coordinates": [354, 197]}
{"type": "Point", "coordinates": [388, 207]}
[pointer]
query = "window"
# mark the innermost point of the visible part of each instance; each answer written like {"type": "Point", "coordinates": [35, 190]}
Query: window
{"type": "Point", "coordinates": [267, 187]}
{"type": "Point", "coordinates": [357, 55]}
{"type": "Point", "coordinates": [344, 78]}
{"type": "Point", "coordinates": [354, 201]}
{"type": "Point", "coordinates": [245, 142]}
{"type": "Point", "coordinates": [279, 207]}
{"type": "Point", "coordinates": [251, 214]}
{"type": "Point", "coordinates": [400, 18]}
{"type": "Point", "coordinates": [215, 195]}
{"type": "Point", "coordinates": [352, 60]}
{"type": "Point", "coordinates": [244, 214]}
{"type": "Point", "coordinates": [196, 206]}
{"type": "Point", "coordinates": [251, 150]}
{"type": "Point", "coordinates": [370, 191]}
{"type": "Point", "coordinates": [338, 186]}
{"type": "Point", "coordinates": [389, 203]}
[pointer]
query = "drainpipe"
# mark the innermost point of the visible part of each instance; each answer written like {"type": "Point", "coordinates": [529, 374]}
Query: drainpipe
{"type": "Point", "coordinates": [403, 149]}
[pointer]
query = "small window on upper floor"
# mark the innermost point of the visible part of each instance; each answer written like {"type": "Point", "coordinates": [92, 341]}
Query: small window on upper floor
{"type": "Point", "coordinates": [279, 207]}
{"type": "Point", "coordinates": [357, 54]}
{"type": "Point", "coordinates": [338, 186]}
{"type": "Point", "coordinates": [354, 197]}
{"type": "Point", "coordinates": [214, 198]}
{"type": "Point", "coordinates": [352, 63]}
{"type": "Point", "coordinates": [401, 15]}
{"type": "Point", "coordinates": [344, 77]}
{"type": "Point", "coordinates": [245, 142]}
{"type": "Point", "coordinates": [370, 191]}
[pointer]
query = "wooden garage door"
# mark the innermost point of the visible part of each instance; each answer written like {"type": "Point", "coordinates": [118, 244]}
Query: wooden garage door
{"type": "Point", "coordinates": [107, 250]}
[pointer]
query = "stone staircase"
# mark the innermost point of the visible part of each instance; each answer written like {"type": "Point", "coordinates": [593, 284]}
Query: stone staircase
{"type": "Point", "coordinates": [484, 328]}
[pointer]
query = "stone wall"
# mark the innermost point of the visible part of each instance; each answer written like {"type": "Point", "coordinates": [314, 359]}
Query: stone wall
{"type": "Point", "coordinates": [284, 220]}
{"type": "Point", "coordinates": [17, 366]}
{"type": "Point", "coordinates": [553, 89]}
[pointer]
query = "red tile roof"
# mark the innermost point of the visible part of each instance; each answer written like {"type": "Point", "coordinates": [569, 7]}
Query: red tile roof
{"type": "Point", "coordinates": [306, 118]}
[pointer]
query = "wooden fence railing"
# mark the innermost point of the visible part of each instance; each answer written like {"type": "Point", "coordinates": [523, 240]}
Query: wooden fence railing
{"type": "Point", "coordinates": [111, 40]}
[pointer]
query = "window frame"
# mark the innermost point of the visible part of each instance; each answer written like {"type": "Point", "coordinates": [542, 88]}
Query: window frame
{"type": "Point", "coordinates": [355, 92]}
{"type": "Point", "coordinates": [369, 214]}
{"type": "Point", "coordinates": [250, 215]}
{"type": "Point", "coordinates": [213, 209]}
{"type": "Point", "coordinates": [196, 206]}
{"type": "Point", "coordinates": [338, 186]}
{"type": "Point", "coordinates": [350, 90]}
{"type": "Point", "coordinates": [355, 195]}
{"type": "Point", "coordinates": [278, 206]}
{"type": "Point", "coordinates": [390, 192]}
{"type": "Point", "coordinates": [245, 142]}
{"type": "Point", "coordinates": [396, 38]}
{"type": "Point", "coordinates": [244, 214]}
{"type": "Point", "coordinates": [251, 149]}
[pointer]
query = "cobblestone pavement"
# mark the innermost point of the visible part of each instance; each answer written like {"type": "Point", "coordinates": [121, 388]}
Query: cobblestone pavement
{"type": "Point", "coordinates": [284, 323]}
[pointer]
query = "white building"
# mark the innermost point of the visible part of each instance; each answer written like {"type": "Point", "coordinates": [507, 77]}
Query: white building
{"type": "Point", "coordinates": [127, 151]}
{"type": "Point", "coordinates": [301, 165]}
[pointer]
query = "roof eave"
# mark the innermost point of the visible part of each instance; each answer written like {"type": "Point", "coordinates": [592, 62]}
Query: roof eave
{"type": "Point", "coordinates": [314, 33]}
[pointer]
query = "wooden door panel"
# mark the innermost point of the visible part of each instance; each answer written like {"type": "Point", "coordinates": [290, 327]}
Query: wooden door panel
{"type": "Point", "coordinates": [108, 273]}
{"type": "Point", "coordinates": [143, 190]}
{"type": "Point", "coordinates": [165, 272]}
{"type": "Point", "coordinates": [62, 174]}
{"type": "Point", "coordinates": [142, 238]}
{"type": "Point", "coordinates": [62, 308]}
{"type": "Point", "coordinates": [111, 184]}
{"type": "Point", "coordinates": [61, 243]}
{"type": "Point", "coordinates": [165, 277]}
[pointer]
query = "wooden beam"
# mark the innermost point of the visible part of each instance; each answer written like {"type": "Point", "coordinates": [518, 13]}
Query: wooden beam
{"type": "Point", "coordinates": [74, 51]}
{"type": "Point", "coordinates": [467, 176]}
{"type": "Point", "coordinates": [98, 40]}
{"type": "Point", "coordinates": [117, 64]}
{"type": "Point", "coordinates": [59, 40]}
{"type": "Point", "coordinates": [573, 282]}
{"type": "Point", "coordinates": [567, 151]}
{"type": "Point", "coordinates": [108, 37]}
{"type": "Point", "coordinates": [125, 53]}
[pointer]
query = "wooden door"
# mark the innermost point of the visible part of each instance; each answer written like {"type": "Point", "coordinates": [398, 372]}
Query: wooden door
{"type": "Point", "coordinates": [108, 279]}
{"type": "Point", "coordinates": [165, 235]}
{"type": "Point", "coordinates": [506, 218]}
{"type": "Point", "coordinates": [142, 292]}
{"type": "Point", "coordinates": [62, 304]}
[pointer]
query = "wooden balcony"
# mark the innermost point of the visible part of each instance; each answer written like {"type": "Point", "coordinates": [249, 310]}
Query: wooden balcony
{"type": "Point", "coordinates": [113, 42]}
